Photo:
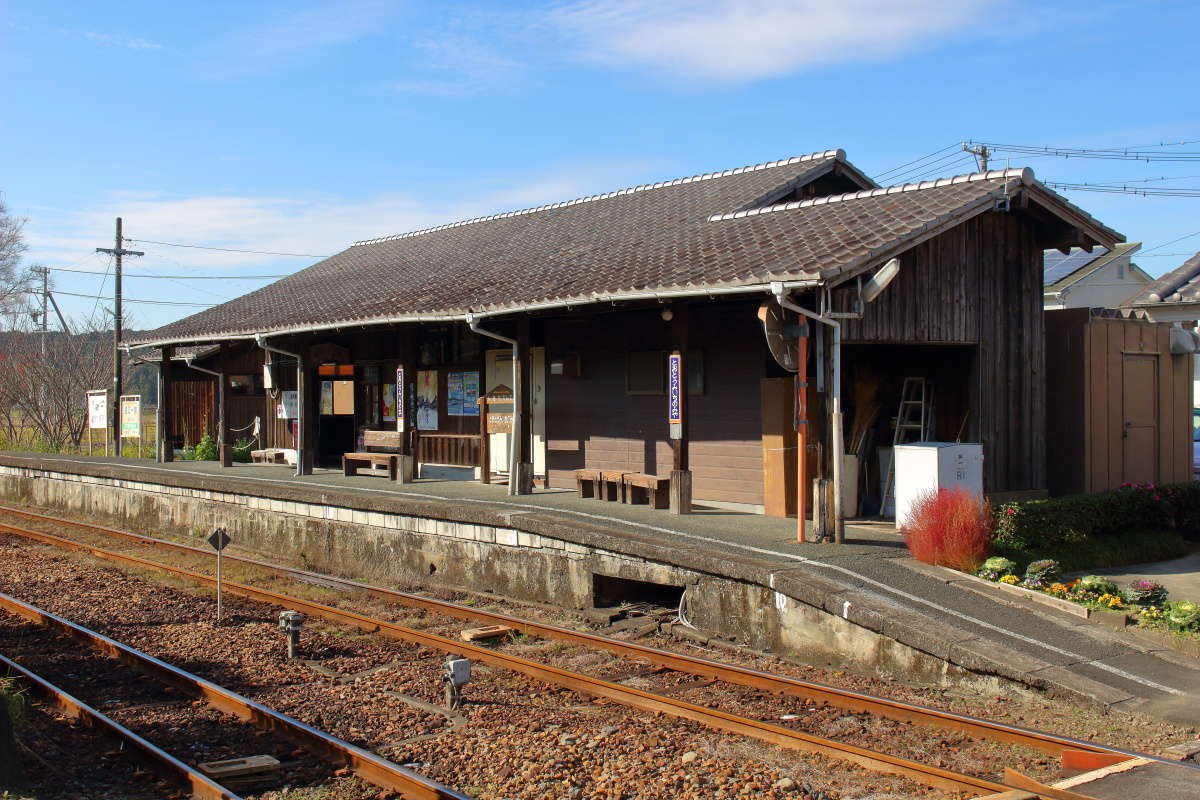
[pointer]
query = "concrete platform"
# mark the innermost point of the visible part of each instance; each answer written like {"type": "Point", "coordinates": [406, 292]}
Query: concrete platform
{"type": "Point", "coordinates": [867, 586]}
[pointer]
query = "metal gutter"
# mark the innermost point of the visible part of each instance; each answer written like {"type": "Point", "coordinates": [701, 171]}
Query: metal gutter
{"type": "Point", "coordinates": [514, 449]}
{"type": "Point", "coordinates": [667, 294]}
{"type": "Point", "coordinates": [261, 340]}
{"type": "Point", "coordinates": [835, 399]}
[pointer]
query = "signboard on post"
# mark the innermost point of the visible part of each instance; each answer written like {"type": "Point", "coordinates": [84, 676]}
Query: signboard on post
{"type": "Point", "coordinates": [219, 540]}
{"type": "Point", "coordinates": [675, 394]}
{"type": "Point", "coordinates": [97, 409]}
{"type": "Point", "coordinates": [131, 416]}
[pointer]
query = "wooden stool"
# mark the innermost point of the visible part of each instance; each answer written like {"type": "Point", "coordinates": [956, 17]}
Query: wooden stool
{"type": "Point", "coordinates": [612, 486]}
{"type": "Point", "coordinates": [650, 489]}
{"type": "Point", "coordinates": [587, 482]}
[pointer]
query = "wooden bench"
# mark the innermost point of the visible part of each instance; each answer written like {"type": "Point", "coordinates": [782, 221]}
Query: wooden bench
{"type": "Point", "coordinates": [587, 482]}
{"type": "Point", "coordinates": [272, 455]}
{"type": "Point", "coordinates": [650, 489]}
{"type": "Point", "coordinates": [352, 462]}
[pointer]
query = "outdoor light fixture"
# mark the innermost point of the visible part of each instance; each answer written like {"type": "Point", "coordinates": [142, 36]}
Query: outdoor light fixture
{"type": "Point", "coordinates": [880, 280]}
{"type": "Point", "coordinates": [667, 315]}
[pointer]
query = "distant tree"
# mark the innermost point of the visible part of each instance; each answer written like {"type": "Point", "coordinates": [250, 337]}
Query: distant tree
{"type": "Point", "coordinates": [47, 376]}
{"type": "Point", "coordinates": [15, 281]}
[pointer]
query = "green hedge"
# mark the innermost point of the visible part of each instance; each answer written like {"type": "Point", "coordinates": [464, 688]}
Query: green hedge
{"type": "Point", "coordinates": [1135, 523]}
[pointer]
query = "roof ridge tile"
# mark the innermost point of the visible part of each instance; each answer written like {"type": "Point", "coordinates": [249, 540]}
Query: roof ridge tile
{"type": "Point", "coordinates": [1025, 174]}
{"type": "Point", "coordinates": [818, 156]}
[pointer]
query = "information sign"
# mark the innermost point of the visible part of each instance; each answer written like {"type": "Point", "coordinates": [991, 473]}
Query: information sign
{"type": "Point", "coordinates": [401, 408]}
{"type": "Point", "coordinates": [674, 392]}
{"type": "Point", "coordinates": [290, 407]}
{"type": "Point", "coordinates": [131, 416]}
{"type": "Point", "coordinates": [97, 409]}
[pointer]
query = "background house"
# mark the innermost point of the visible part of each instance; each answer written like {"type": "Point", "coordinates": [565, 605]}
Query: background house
{"type": "Point", "coordinates": [1102, 278]}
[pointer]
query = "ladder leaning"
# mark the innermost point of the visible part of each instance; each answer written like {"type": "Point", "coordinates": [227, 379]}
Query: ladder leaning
{"type": "Point", "coordinates": [914, 422]}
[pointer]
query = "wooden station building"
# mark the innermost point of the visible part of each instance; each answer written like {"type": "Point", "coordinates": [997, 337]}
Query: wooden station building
{"type": "Point", "coordinates": [564, 317]}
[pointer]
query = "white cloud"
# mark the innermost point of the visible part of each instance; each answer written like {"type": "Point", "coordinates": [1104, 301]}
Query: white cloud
{"type": "Point", "coordinates": [120, 40]}
{"type": "Point", "coordinates": [318, 225]}
{"type": "Point", "coordinates": [738, 40]}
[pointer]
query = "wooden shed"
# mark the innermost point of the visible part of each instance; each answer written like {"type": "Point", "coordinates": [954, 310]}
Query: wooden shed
{"type": "Point", "coordinates": [1119, 404]}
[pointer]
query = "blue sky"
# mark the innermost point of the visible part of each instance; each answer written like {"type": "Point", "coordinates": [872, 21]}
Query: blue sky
{"type": "Point", "coordinates": [300, 127]}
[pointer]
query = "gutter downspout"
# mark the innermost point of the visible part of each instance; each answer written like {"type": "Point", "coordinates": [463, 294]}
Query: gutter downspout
{"type": "Point", "coordinates": [301, 423]}
{"type": "Point", "coordinates": [835, 397]}
{"type": "Point", "coordinates": [222, 451]}
{"type": "Point", "coordinates": [514, 451]}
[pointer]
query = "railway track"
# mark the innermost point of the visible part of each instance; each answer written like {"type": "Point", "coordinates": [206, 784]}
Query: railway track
{"type": "Point", "coordinates": [1078, 752]}
{"type": "Point", "coordinates": [104, 673]}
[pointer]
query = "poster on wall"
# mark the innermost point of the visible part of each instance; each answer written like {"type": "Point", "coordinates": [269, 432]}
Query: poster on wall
{"type": "Point", "coordinates": [326, 397]}
{"type": "Point", "coordinates": [470, 387]}
{"type": "Point", "coordinates": [289, 408]}
{"type": "Point", "coordinates": [454, 394]}
{"type": "Point", "coordinates": [427, 400]}
{"type": "Point", "coordinates": [389, 402]}
{"type": "Point", "coordinates": [97, 409]}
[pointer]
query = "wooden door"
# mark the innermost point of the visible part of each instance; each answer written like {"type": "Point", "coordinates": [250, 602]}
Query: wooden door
{"type": "Point", "coordinates": [1139, 404]}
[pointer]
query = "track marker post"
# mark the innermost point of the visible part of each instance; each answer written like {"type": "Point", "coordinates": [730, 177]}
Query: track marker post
{"type": "Point", "coordinates": [219, 541]}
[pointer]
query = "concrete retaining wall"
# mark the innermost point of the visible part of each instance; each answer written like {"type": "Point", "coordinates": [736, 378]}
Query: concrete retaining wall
{"type": "Point", "coordinates": [496, 552]}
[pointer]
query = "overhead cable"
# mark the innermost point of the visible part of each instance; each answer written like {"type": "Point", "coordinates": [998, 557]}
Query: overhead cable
{"type": "Point", "coordinates": [227, 249]}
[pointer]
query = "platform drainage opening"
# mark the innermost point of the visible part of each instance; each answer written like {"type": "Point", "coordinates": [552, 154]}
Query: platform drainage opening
{"type": "Point", "coordinates": [610, 592]}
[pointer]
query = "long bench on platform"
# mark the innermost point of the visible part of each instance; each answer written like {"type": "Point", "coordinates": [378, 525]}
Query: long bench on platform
{"type": "Point", "coordinates": [352, 462]}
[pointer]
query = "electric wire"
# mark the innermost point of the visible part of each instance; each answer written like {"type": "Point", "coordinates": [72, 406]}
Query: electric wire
{"type": "Point", "coordinates": [99, 297]}
{"type": "Point", "coordinates": [174, 277]}
{"type": "Point", "coordinates": [227, 249]}
{"type": "Point", "coordinates": [914, 161]}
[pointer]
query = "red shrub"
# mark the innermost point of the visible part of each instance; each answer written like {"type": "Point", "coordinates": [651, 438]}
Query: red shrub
{"type": "Point", "coordinates": [952, 528]}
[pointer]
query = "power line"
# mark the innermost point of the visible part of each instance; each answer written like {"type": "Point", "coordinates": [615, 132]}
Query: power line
{"type": "Point", "coordinates": [1173, 241]}
{"type": "Point", "coordinates": [1110, 154]}
{"type": "Point", "coordinates": [128, 300]}
{"type": "Point", "coordinates": [1165, 255]}
{"type": "Point", "coordinates": [1151, 191]}
{"type": "Point", "coordinates": [174, 277]}
{"type": "Point", "coordinates": [228, 249]}
{"type": "Point", "coordinates": [914, 161]}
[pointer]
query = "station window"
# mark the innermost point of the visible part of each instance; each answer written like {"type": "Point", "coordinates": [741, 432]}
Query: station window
{"type": "Point", "coordinates": [245, 384]}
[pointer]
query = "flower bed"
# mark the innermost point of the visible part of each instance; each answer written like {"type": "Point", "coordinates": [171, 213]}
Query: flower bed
{"type": "Point", "coordinates": [1143, 602]}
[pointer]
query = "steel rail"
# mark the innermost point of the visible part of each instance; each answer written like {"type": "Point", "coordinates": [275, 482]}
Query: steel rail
{"type": "Point", "coordinates": [159, 761]}
{"type": "Point", "coordinates": [635, 698]}
{"type": "Point", "coordinates": [368, 766]}
{"type": "Point", "coordinates": [1047, 743]}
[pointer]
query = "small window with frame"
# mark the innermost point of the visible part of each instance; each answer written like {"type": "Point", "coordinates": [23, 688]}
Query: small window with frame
{"type": "Point", "coordinates": [645, 372]}
{"type": "Point", "coordinates": [248, 384]}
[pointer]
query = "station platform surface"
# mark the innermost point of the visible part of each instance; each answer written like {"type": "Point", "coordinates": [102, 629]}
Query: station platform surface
{"type": "Point", "coordinates": [1056, 649]}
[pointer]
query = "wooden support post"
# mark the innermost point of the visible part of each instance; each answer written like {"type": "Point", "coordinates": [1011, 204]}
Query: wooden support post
{"type": "Point", "coordinates": [677, 412]}
{"type": "Point", "coordinates": [224, 446]}
{"type": "Point", "coordinates": [306, 403]}
{"type": "Point", "coordinates": [165, 448]}
{"type": "Point", "coordinates": [522, 481]}
{"type": "Point", "coordinates": [485, 441]}
{"type": "Point", "coordinates": [801, 425]}
{"type": "Point", "coordinates": [406, 423]}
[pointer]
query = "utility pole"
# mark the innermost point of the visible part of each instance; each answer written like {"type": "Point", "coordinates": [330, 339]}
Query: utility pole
{"type": "Point", "coordinates": [981, 152]}
{"type": "Point", "coordinates": [117, 251]}
{"type": "Point", "coordinates": [45, 273]}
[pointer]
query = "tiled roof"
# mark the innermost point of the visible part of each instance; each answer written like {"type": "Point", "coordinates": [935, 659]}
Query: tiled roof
{"type": "Point", "coordinates": [682, 235]}
{"type": "Point", "coordinates": [1180, 285]}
